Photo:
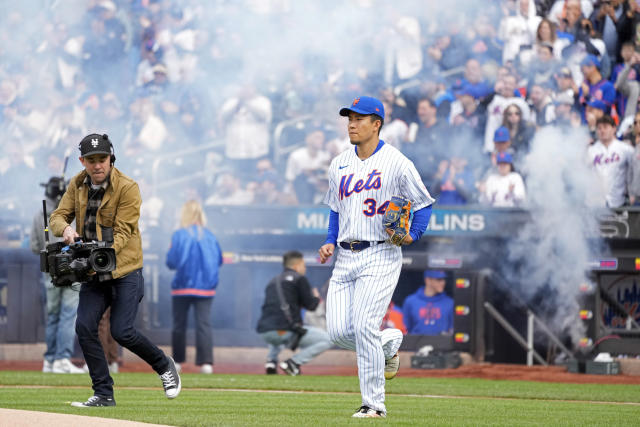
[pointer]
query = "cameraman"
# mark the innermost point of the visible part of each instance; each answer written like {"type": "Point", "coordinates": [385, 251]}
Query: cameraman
{"type": "Point", "coordinates": [281, 323]}
{"type": "Point", "coordinates": [61, 302]}
{"type": "Point", "coordinates": [106, 206]}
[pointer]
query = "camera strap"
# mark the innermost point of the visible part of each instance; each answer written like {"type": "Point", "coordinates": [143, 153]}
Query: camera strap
{"type": "Point", "coordinates": [284, 305]}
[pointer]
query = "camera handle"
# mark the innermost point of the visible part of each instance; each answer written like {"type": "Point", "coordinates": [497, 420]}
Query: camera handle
{"type": "Point", "coordinates": [46, 228]}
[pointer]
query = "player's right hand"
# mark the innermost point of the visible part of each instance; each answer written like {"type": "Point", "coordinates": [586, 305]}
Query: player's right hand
{"type": "Point", "coordinates": [326, 251]}
{"type": "Point", "coordinates": [69, 235]}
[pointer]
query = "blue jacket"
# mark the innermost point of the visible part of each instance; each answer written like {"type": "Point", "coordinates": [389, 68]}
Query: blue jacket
{"type": "Point", "coordinates": [425, 315]}
{"type": "Point", "coordinates": [196, 256]}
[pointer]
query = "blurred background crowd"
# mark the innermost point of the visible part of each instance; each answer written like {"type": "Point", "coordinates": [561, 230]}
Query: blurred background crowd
{"type": "Point", "coordinates": [235, 102]}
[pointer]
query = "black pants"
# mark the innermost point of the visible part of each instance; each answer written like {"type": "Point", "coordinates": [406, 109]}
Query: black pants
{"type": "Point", "coordinates": [123, 295]}
{"type": "Point", "coordinates": [204, 337]}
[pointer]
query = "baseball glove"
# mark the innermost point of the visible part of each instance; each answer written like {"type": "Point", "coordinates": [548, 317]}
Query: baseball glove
{"type": "Point", "coordinates": [397, 217]}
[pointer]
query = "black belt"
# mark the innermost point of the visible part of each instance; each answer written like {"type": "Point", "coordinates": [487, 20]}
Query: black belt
{"type": "Point", "coordinates": [357, 246]}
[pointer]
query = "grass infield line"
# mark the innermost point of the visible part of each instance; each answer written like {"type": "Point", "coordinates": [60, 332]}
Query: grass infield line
{"type": "Point", "coordinates": [344, 393]}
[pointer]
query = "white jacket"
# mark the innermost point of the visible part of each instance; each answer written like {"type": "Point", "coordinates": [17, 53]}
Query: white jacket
{"type": "Point", "coordinates": [499, 194]}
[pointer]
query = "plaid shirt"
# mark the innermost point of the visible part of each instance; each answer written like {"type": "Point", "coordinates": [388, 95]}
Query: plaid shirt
{"type": "Point", "coordinates": [90, 220]}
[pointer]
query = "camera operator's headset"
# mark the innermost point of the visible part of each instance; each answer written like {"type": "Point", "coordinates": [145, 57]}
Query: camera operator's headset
{"type": "Point", "coordinates": [105, 137]}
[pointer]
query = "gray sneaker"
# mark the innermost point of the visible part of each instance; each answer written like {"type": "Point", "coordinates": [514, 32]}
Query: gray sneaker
{"type": "Point", "coordinates": [171, 380]}
{"type": "Point", "coordinates": [95, 401]}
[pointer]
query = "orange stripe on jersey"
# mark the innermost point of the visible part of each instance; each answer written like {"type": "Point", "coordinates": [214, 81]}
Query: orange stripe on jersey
{"type": "Point", "coordinates": [192, 291]}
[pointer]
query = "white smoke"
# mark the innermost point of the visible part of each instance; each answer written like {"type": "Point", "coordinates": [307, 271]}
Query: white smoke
{"type": "Point", "coordinates": [551, 253]}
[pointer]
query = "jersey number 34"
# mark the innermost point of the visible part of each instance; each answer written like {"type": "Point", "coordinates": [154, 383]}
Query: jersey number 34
{"type": "Point", "coordinates": [371, 207]}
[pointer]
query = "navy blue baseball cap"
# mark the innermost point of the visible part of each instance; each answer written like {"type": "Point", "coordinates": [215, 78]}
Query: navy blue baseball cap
{"type": "Point", "coordinates": [435, 274]}
{"type": "Point", "coordinates": [364, 105]}
{"type": "Point", "coordinates": [501, 135]}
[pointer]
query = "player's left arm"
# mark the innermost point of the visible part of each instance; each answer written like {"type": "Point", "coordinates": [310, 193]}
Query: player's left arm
{"type": "Point", "coordinates": [419, 224]}
{"type": "Point", "coordinates": [412, 187]}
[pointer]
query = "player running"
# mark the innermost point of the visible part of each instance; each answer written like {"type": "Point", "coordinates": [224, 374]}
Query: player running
{"type": "Point", "coordinates": [362, 181]}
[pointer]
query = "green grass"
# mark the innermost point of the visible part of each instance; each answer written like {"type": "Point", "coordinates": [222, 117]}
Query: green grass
{"type": "Point", "coordinates": [207, 400]}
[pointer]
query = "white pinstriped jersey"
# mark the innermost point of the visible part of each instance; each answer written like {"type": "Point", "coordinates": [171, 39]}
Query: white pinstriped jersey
{"type": "Point", "coordinates": [359, 190]}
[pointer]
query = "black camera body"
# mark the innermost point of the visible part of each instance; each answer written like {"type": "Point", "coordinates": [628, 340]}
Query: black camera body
{"type": "Point", "coordinates": [298, 332]}
{"type": "Point", "coordinates": [68, 264]}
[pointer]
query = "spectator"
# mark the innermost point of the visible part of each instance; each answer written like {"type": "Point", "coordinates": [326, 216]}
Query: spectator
{"type": "Point", "coordinates": [569, 11]}
{"type": "Point", "coordinates": [158, 84]}
{"type": "Point", "coordinates": [196, 256]}
{"type": "Point", "coordinates": [61, 302]}
{"type": "Point", "coordinates": [229, 191]}
{"type": "Point", "coordinates": [605, 19]}
{"type": "Point", "coordinates": [148, 132]}
{"type": "Point", "coordinates": [505, 95]}
{"type": "Point", "coordinates": [245, 119]}
{"type": "Point", "coordinates": [542, 109]}
{"type": "Point", "coordinates": [543, 66]}
{"type": "Point", "coordinates": [613, 161]}
{"type": "Point", "coordinates": [594, 86]}
{"type": "Point", "coordinates": [429, 310]}
{"type": "Point", "coordinates": [626, 78]}
{"type": "Point", "coordinates": [517, 27]}
{"type": "Point", "coordinates": [302, 164]}
{"type": "Point", "coordinates": [634, 191]}
{"type": "Point", "coordinates": [405, 49]}
{"type": "Point", "coordinates": [595, 110]}
{"type": "Point", "coordinates": [394, 132]}
{"type": "Point", "coordinates": [340, 140]}
{"type": "Point", "coordinates": [565, 83]}
{"type": "Point", "coordinates": [456, 180]}
{"type": "Point", "coordinates": [473, 115]}
{"type": "Point", "coordinates": [546, 33]}
{"type": "Point", "coordinates": [428, 147]}
{"type": "Point", "coordinates": [268, 191]}
{"type": "Point", "coordinates": [280, 323]}
{"type": "Point", "coordinates": [504, 189]}
{"type": "Point", "coordinates": [520, 131]}
{"type": "Point", "coordinates": [566, 115]}
{"type": "Point", "coordinates": [447, 51]}
{"type": "Point", "coordinates": [474, 79]}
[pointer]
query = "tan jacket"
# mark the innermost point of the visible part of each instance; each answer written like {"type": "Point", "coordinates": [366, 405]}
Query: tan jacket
{"type": "Point", "coordinates": [118, 213]}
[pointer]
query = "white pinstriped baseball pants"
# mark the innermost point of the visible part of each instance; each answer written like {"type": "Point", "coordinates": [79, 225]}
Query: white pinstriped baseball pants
{"type": "Point", "coordinates": [359, 294]}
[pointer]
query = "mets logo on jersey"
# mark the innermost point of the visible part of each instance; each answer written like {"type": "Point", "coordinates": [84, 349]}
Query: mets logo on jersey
{"type": "Point", "coordinates": [373, 182]}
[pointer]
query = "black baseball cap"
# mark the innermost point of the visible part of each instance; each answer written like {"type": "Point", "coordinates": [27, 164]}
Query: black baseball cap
{"type": "Point", "coordinates": [94, 144]}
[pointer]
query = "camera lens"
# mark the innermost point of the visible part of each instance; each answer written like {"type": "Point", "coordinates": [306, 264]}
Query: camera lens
{"type": "Point", "coordinates": [101, 260]}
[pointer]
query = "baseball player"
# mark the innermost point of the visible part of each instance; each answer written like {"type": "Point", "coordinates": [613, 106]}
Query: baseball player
{"type": "Point", "coordinates": [362, 181]}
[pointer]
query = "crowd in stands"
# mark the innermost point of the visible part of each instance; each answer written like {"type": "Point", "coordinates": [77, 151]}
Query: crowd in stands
{"type": "Point", "coordinates": [199, 104]}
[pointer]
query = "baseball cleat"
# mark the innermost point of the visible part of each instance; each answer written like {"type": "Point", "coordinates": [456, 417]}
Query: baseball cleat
{"type": "Point", "coordinates": [391, 367]}
{"type": "Point", "coordinates": [366, 412]}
